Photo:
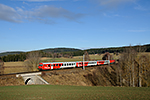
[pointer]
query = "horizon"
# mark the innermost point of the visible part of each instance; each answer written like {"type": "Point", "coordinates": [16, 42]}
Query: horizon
{"type": "Point", "coordinates": [28, 25]}
{"type": "Point", "coordinates": [74, 48]}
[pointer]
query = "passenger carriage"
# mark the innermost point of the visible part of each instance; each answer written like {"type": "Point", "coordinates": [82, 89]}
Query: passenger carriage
{"type": "Point", "coordinates": [59, 65]}
{"type": "Point", "coordinates": [56, 65]}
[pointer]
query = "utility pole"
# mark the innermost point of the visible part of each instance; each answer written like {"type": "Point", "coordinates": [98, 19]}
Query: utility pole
{"type": "Point", "coordinates": [83, 62]}
{"type": "Point", "coordinates": [109, 60]}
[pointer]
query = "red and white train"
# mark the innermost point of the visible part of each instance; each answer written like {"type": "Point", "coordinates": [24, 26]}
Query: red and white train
{"type": "Point", "coordinates": [59, 65]}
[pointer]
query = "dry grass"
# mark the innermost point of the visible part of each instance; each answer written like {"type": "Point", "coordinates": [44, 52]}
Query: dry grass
{"type": "Point", "coordinates": [19, 63]}
{"type": "Point", "coordinates": [80, 77]}
{"type": "Point", "coordinates": [14, 67]}
{"type": "Point", "coordinates": [15, 70]}
{"type": "Point", "coordinates": [11, 80]}
{"type": "Point", "coordinates": [77, 58]}
{"type": "Point", "coordinates": [68, 77]}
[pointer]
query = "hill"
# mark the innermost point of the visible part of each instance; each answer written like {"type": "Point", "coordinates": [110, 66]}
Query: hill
{"type": "Point", "coordinates": [59, 50]}
{"type": "Point", "coordinates": [69, 52]}
{"type": "Point", "coordinates": [90, 51]}
{"type": "Point", "coordinates": [10, 53]}
{"type": "Point", "coordinates": [52, 50]}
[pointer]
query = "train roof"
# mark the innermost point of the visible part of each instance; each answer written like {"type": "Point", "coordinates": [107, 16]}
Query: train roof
{"type": "Point", "coordinates": [65, 62]}
{"type": "Point", "coordinates": [57, 62]}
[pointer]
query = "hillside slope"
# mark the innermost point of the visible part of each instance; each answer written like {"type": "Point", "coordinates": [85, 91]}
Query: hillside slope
{"type": "Point", "coordinates": [78, 77]}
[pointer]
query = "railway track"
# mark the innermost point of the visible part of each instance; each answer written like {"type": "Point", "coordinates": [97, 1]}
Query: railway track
{"type": "Point", "coordinates": [56, 70]}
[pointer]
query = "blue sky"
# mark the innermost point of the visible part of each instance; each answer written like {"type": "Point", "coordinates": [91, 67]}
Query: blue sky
{"type": "Point", "coordinates": [37, 24]}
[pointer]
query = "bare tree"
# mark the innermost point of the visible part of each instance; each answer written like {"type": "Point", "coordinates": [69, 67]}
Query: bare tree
{"type": "Point", "coordinates": [87, 57]}
{"type": "Point", "coordinates": [143, 68]}
{"type": "Point", "coordinates": [107, 56]}
{"type": "Point", "coordinates": [126, 63]}
{"type": "Point", "coordinates": [118, 70]}
{"type": "Point", "coordinates": [134, 67]}
{"type": "Point", "coordinates": [140, 60]}
{"type": "Point", "coordinates": [32, 61]}
{"type": "Point", "coordinates": [53, 55]}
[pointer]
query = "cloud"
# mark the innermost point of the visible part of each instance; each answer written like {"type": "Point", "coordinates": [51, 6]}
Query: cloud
{"type": "Point", "coordinates": [112, 3]}
{"type": "Point", "coordinates": [44, 14]}
{"type": "Point", "coordinates": [136, 30]}
{"type": "Point", "coordinates": [112, 15]}
{"type": "Point", "coordinates": [48, 12]}
{"type": "Point", "coordinates": [25, 3]}
{"type": "Point", "coordinates": [9, 14]}
{"type": "Point", "coordinates": [140, 8]}
{"type": "Point", "coordinates": [19, 9]}
{"type": "Point", "coordinates": [38, 0]}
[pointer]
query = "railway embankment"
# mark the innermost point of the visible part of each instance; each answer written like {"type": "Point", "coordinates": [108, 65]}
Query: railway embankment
{"type": "Point", "coordinates": [10, 80]}
{"type": "Point", "coordinates": [92, 76]}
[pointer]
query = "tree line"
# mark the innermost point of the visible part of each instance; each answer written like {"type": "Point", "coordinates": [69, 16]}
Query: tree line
{"type": "Point", "coordinates": [69, 53]}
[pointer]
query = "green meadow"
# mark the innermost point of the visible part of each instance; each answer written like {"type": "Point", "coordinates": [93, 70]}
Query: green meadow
{"type": "Point", "coordinates": [62, 92]}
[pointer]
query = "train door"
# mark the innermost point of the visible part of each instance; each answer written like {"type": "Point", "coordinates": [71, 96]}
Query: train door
{"type": "Point", "coordinates": [51, 66]}
{"type": "Point", "coordinates": [107, 62]}
{"type": "Point", "coordinates": [80, 64]}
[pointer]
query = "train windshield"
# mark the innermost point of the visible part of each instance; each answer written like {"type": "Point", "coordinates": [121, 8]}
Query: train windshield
{"type": "Point", "coordinates": [40, 64]}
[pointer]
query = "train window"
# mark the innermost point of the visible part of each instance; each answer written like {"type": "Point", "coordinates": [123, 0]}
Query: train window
{"type": "Point", "coordinates": [64, 64]}
{"type": "Point", "coordinates": [91, 62]}
{"type": "Point", "coordinates": [48, 65]}
{"type": "Point", "coordinates": [59, 64]}
{"type": "Point", "coordinates": [56, 64]}
{"type": "Point", "coordinates": [69, 63]}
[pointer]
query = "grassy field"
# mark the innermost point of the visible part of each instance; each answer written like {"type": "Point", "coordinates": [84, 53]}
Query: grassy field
{"type": "Point", "coordinates": [18, 63]}
{"type": "Point", "coordinates": [14, 67]}
{"type": "Point", "coordinates": [60, 92]}
{"type": "Point", "coordinates": [76, 58]}
{"type": "Point", "coordinates": [15, 70]}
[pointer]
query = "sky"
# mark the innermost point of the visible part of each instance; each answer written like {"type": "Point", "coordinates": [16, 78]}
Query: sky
{"type": "Point", "coordinates": [27, 25]}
